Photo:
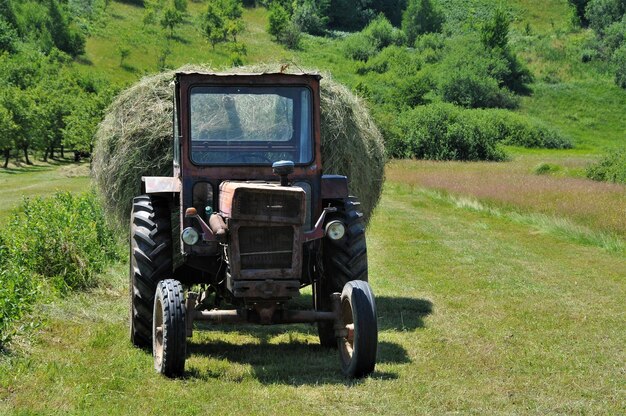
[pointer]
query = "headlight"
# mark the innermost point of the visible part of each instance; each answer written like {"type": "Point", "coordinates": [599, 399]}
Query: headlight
{"type": "Point", "coordinates": [335, 230]}
{"type": "Point", "coordinates": [190, 236]}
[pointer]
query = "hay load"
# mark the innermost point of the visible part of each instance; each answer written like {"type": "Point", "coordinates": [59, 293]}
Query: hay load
{"type": "Point", "coordinates": [135, 140]}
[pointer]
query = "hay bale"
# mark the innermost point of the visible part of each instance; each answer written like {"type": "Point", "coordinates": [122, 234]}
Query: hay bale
{"type": "Point", "coordinates": [135, 140]}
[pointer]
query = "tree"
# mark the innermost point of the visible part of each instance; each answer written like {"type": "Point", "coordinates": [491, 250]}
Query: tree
{"type": "Point", "coordinates": [214, 26]}
{"type": "Point", "coordinates": [180, 5]}
{"type": "Point", "coordinates": [8, 14]}
{"type": "Point", "coordinates": [66, 37]}
{"type": "Point", "coordinates": [278, 21]}
{"type": "Point", "coordinates": [171, 18]}
{"type": "Point", "coordinates": [124, 53]}
{"type": "Point", "coordinates": [7, 130]}
{"type": "Point", "coordinates": [494, 33]}
{"type": "Point", "coordinates": [421, 16]}
{"type": "Point", "coordinates": [8, 37]}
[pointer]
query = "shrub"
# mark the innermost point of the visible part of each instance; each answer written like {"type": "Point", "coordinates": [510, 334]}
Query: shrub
{"type": "Point", "coordinates": [278, 21]}
{"type": "Point", "coordinates": [64, 239]}
{"type": "Point", "coordinates": [444, 132]}
{"type": "Point", "coordinates": [308, 16]}
{"type": "Point", "coordinates": [382, 33]}
{"type": "Point", "coordinates": [619, 60]}
{"type": "Point", "coordinates": [469, 89]}
{"type": "Point", "coordinates": [611, 168]}
{"type": "Point", "coordinates": [421, 16]}
{"type": "Point", "coordinates": [359, 47]}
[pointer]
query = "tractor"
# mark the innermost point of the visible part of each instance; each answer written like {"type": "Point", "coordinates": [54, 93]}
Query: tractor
{"type": "Point", "coordinates": [246, 221]}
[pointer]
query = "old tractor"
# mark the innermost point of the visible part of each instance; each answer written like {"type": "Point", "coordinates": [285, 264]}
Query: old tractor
{"type": "Point", "coordinates": [246, 221]}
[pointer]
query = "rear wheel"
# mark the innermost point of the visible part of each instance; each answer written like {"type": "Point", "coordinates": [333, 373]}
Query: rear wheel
{"type": "Point", "coordinates": [169, 335]}
{"type": "Point", "coordinates": [358, 347]}
{"type": "Point", "coordinates": [344, 260]}
{"type": "Point", "coordinates": [150, 262]}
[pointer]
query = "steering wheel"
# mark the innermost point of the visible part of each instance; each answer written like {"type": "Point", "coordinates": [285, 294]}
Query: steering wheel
{"type": "Point", "coordinates": [248, 158]}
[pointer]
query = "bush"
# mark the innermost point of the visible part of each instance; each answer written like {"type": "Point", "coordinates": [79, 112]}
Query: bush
{"type": "Point", "coordinates": [469, 89]}
{"type": "Point", "coordinates": [308, 16]}
{"type": "Point", "coordinates": [382, 33]}
{"type": "Point", "coordinates": [444, 132]}
{"type": "Point", "coordinates": [611, 168]}
{"type": "Point", "coordinates": [359, 47]}
{"type": "Point", "coordinates": [619, 60]}
{"type": "Point", "coordinates": [64, 239]}
{"type": "Point", "coordinates": [421, 16]}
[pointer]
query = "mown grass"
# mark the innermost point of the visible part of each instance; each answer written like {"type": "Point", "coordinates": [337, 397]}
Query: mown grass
{"type": "Point", "coordinates": [478, 314]}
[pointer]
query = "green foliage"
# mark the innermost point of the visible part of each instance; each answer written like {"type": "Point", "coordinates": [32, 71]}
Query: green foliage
{"type": "Point", "coordinates": [602, 13]}
{"type": "Point", "coordinates": [61, 242]}
{"type": "Point", "coordinates": [611, 168]}
{"type": "Point", "coordinates": [278, 21]}
{"type": "Point", "coordinates": [66, 37]}
{"type": "Point", "coordinates": [373, 38]}
{"type": "Point", "coordinates": [382, 33]}
{"type": "Point", "coordinates": [421, 16]}
{"type": "Point", "coordinates": [443, 132]}
{"type": "Point", "coordinates": [494, 33]}
{"type": "Point", "coordinates": [580, 6]}
{"type": "Point", "coordinates": [446, 132]}
{"type": "Point", "coordinates": [222, 19]}
{"type": "Point", "coordinates": [353, 15]}
{"type": "Point", "coordinates": [8, 37]}
{"type": "Point", "coordinates": [63, 239]}
{"type": "Point", "coordinates": [619, 60]}
{"type": "Point", "coordinates": [546, 169]}
{"type": "Point", "coordinates": [171, 18]}
{"type": "Point", "coordinates": [359, 47]}
{"type": "Point", "coordinates": [311, 16]}
{"type": "Point", "coordinates": [180, 5]}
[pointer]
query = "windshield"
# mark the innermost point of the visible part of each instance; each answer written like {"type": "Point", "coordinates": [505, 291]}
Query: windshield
{"type": "Point", "coordinates": [250, 125]}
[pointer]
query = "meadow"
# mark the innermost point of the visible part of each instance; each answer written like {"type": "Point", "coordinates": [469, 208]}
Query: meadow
{"type": "Point", "coordinates": [479, 313]}
{"type": "Point", "coordinates": [500, 286]}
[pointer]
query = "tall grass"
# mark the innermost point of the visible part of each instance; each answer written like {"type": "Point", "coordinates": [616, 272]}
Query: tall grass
{"type": "Point", "coordinates": [599, 206]}
{"type": "Point", "coordinates": [56, 244]}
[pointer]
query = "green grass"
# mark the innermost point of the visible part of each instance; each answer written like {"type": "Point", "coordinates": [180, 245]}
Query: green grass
{"type": "Point", "coordinates": [478, 313]}
{"type": "Point", "coordinates": [40, 179]}
{"type": "Point", "coordinates": [123, 25]}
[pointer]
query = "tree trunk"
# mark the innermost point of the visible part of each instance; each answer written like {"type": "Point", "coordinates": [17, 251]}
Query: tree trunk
{"type": "Point", "coordinates": [7, 154]}
{"type": "Point", "coordinates": [51, 151]}
{"type": "Point", "coordinates": [28, 162]}
{"type": "Point", "coordinates": [62, 152]}
{"type": "Point", "coordinates": [45, 155]}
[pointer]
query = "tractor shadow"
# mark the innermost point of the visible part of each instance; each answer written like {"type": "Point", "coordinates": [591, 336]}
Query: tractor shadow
{"type": "Point", "coordinates": [297, 358]}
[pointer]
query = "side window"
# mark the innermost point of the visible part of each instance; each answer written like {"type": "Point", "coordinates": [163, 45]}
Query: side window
{"type": "Point", "coordinates": [176, 135]}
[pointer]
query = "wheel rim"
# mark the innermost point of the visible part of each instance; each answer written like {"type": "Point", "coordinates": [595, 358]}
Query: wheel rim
{"type": "Point", "coordinates": [346, 343]}
{"type": "Point", "coordinates": [158, 334]}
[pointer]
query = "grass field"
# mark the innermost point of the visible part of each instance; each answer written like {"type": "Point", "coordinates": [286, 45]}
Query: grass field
{"type": "Point", "coordinates": [40, 179]}
{"type": "Point", "coordinates": [478, 314]}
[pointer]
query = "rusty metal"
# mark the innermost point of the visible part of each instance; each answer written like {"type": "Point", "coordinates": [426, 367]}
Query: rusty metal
{"type": "Point", "coordinates": [218, 227]}
{"type": "Point", "coordinates": [231, 192]}
{"type": "Point", "coordinates": [215, 175]}
{"type": "Point", "coordinates": [318, 231]}
{"type": "Point", "coordinates": [160, 184]}
{"type": "Point", "coordinates": [207, 233]}
{"type": "Point", "coordinates": [334, 187]}
{"type": "Point", "coordinates": [240, 316]}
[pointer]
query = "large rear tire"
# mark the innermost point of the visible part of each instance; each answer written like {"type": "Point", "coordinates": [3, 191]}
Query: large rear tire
{"type": "Point", "coordinates": [344, 260]}
{"type": "Point", "coordinates": [169, 332]}
{"type": "Point", "coordinates": [358, 348]}
{"type": "Point", "coordinates": [150, 262]}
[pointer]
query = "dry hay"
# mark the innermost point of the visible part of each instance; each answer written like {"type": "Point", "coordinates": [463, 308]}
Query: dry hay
{"type": "Point", "coordinates": [135, 140]}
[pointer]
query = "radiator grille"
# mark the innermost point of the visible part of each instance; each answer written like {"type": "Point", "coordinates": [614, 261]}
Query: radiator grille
{"type": "Point", "coordinates": [286, 206]}
{"type": "Point", "coordinates": [266, 247]}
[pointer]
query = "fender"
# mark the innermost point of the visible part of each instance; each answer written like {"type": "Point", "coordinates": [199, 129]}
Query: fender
{"type": "Point", "coordinates": [160, 185]}
{"type": "Point", "coordinates": [334, 187]}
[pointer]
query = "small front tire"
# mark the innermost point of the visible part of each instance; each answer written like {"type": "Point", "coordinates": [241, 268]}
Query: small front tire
{"type": "Point", "coordinates": [169, 345]}
{"type": "Point", "coordinates": [359, 345]}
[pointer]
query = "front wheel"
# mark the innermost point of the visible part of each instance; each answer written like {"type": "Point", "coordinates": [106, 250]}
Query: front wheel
{"type": "Point", "coordinates": [359, 343]}
{"type": "Point", "coordinates": [169, 332]}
